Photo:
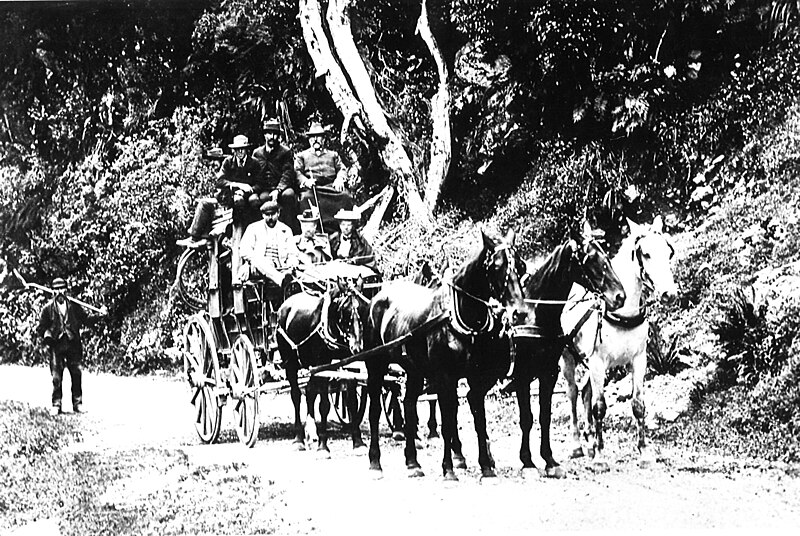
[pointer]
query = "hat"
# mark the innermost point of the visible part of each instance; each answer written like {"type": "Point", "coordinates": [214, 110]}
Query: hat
{"type": "Point", "coordinates": [309, 214]}
{"type": "Point", "coordinates": [272, 124]}
{"type": "Point", "coordinates": [269, 207]}
{"type": "Point", "coordinates": [348, 215]}
{"type": "Point", "coordinates": [59, 284]}
{"type": "Point", "coordinates": [316, 129]}
{"type": "Point", "coordinates": [240, 142]}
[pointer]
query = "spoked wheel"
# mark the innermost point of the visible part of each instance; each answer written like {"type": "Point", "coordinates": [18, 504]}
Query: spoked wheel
{"type": "Point", "coordinates": [201, 368]}
{"type": "Point", "coordinates": [339, 395]}
{"type": "Point", "coordinates": [392, 407]}
{"type": "Point", "coordinates": [244, 389]}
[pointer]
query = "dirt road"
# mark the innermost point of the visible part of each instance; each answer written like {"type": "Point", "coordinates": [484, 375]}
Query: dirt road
{"type": "Point", "coordinates": [148, 419]}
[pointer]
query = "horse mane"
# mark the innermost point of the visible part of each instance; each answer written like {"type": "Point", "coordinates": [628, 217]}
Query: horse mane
{"type": "Point", "coordinates": [542, 277]}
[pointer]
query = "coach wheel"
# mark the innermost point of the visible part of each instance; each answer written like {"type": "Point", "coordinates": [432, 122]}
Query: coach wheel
{"type": "Point", "coordinates": [244, 390]}
{"type": "Point", "coordinates": [339, 395]}
{"type": "Point", "coordinates": [201, 368]}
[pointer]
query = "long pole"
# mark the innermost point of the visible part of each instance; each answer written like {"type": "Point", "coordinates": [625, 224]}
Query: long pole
{"type": "Point", "coordinates": [51, 291]}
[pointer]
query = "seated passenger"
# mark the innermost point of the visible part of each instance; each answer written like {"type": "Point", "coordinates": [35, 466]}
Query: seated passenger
{"type": "Point", "coordinates": [314, 246]}
{"type": "Point", "coordinates": [268, 248]}
{"type": "Point", "coordinates": [348, 244]}
{"type": "Point", "coordinates": [237, 186]}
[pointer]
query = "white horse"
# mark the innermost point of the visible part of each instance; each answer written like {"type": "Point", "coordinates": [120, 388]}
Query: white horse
{"type": "Point", "coordinates": [619, 338]}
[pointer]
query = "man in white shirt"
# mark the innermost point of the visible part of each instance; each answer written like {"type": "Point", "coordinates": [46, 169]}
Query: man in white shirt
{"type": "Point", "coordinates": [268, 247]}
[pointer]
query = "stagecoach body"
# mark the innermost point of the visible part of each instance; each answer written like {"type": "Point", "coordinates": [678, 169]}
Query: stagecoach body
{"type": "Point", "coordinates": [230, 348]}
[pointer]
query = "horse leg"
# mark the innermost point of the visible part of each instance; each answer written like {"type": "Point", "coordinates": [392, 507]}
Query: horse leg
{"type": "Point", "coordinates": [523, 390]}
{"type": "Point", "coordinates": [646, 458]}
{"type": "Point", "coordinates": [432, 433]}
{"type": "Point", "coordinates": [311, 436]}
{"type": "Point", "coordinates": [396, 413]}
{"type": "Point", "coordinates": [568, 370]}
{"type": "Point", "coordinates": [547, 384]}
{"type": "Point", "coordinates": [448, 401]}
{"type": "Point", "coordinates": [478, 387]}
{"type": "Point", "coordinates": [299, 436]}
{"type": "Point", "coordinates": [455, 442]}
{"type": "Point", "coordinates": [376, 370]}
{"type": "Point", "coordinates": [413, 389]}
{"type": "Point", "coordinates": [324, 410]}
{"type": "Point", "coordinates": [352, 408]}
{"type": "Point", "coordinates": [597, 372]}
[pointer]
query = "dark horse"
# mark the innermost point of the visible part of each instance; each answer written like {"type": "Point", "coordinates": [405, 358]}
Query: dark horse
{"type": "Point", "coordinates": [458, 336]}
{"type": "Point", "coordinates": [313, 331]}
{"type": "Point", "coordinates": [537, 347]}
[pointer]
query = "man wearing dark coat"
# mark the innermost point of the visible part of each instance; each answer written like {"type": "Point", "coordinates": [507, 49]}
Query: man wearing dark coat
{"type": "Point", "coordinates": [277, 176]}
{"type": "Point", "coordinates": [348, 244]}
{"type": "Point", "coordinates": [60, 325]}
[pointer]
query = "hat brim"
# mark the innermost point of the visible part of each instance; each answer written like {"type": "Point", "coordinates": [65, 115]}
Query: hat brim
{"type": "Point", "coordinates": [232, 146]}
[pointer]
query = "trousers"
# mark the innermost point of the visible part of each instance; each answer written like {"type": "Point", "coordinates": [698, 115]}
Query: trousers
{"type": "Point", "coordinates": [70, 356]}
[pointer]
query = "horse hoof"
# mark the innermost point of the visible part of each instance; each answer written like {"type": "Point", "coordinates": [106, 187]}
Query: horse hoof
{"type": "Point", "coordinates": [419, 444]}
{"type": "Point", "coordinates": [299, 446]}
{"type": "Point", "coordinates": [555, 472]}
{"type": "Point", "coordinates": [577, 452]}
{"type": "Point", "coordinates": [528, 472]}
{"type": "Point", "coordinates": [488, 472]}
{"type": "Point", "coordinates": [376, 474]}
{"type": "Point", "coordinates": [600, 467]}
{"type": "Point", "coordinates": [433, 435]}
{"type": "Point", "coordinates": [590, 452]}
{"type": "Point", "coordinates": [459, 462]}
{"type": "Point", "coordinates": [399, 436]}
{"type": "Point", "coordinates": [359, 448]}
{"type": "Point", "coordinates": [646, 462]}
{"type": "Point", "coordinates": [323, 454]}
{"type": "Point", "coordinates": [450, 476]}
{"type": "Point", "coordinates": [415, 472]}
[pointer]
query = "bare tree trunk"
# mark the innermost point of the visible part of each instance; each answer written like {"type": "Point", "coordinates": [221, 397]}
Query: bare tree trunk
{"type": "Point", "coordinates": [441, 143]}
{"type": "Point", "coordinates": [393, 152]}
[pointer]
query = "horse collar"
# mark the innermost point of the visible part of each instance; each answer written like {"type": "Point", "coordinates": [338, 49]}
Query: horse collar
{"type": "Point", "coordinates": [459, 325]}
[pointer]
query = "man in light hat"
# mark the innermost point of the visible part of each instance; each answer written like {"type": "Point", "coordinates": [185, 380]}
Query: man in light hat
{"type": "Point", "coordinates": [348, 244]}
{"type": "Point", "coordinates": [268, 247]}
{"type": "Point", "coordinates": [278, 179]}
{"type": "Point", "coordinates": [237, 186]}
{"type": "Point", "coordinates": [60, 326]}
{"type": "Point", "coordinates": [313, 245]}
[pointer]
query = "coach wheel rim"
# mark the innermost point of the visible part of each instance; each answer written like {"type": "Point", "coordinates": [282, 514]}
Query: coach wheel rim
{"type": "Point", "coordinates": [201, 368]}
{"type": "Point", "coordinates": [339, 395]}
{"type": "Point", "coordinates": [244, 380]}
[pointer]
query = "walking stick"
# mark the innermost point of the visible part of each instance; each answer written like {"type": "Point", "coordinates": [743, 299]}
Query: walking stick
{"type": "Point", "coordinates": [51, 291]}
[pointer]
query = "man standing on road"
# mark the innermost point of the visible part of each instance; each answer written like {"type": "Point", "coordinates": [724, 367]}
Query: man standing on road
{"type": "Point", "coordinates": [60, 325]}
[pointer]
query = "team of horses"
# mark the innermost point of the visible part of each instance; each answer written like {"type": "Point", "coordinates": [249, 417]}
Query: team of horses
{"type": "Point", "coordinates": [496, 316]}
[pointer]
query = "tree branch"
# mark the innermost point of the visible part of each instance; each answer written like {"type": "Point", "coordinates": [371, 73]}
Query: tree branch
{"type": "Point", "coordinates": [441, 143]}
{"type": "Point", "coordinates": [393, 152]}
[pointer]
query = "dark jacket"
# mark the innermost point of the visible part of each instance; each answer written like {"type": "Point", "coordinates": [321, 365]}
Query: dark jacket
{"type": "Point", "coordinates": [54, 330]}
{"type": "Point", "coordinates": [360, 250]}
{"type": "Point", "coordinates": [276, 168]}
{"type": "Point", "coordinates": [249, 173]}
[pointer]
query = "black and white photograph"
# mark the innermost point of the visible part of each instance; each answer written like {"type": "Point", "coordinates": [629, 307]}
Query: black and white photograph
{"type": "Point", "coordinates": [463, 267]}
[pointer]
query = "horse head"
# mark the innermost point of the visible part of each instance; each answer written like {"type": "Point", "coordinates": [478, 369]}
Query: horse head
{"type": "Point", "coordinates": [594, 270]}
{"type": "Point", "coordinates": [504, 269]}
{"type": "Point", "coordinates": [349, 311]}
{"type": "Point", "coordinates": [653, 252]}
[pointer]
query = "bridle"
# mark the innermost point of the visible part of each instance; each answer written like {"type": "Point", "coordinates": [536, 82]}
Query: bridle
{"type": "Point", "coordinates": [497, 293]}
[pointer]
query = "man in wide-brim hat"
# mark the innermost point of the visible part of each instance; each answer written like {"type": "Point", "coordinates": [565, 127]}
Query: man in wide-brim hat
{"type": "Point", "coordinates": [317, 165]}
{"type": "Point", "coordinates": [60, 326]}
{"type": "Point", "coordinates": [309, 242]}
{"type": "Point", "coordinates": [348, 244]}
{"type": "Point", "coordinates": [238, 186]}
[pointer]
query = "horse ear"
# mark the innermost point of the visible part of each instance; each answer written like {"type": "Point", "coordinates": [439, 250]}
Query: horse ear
{"type": "Point", "coordinates": [360, 283]}
{"type": "Point", "coordinates": [511, 237]}
{"type": "Point", "coordinates": [657, 225]}
{"type": "Point", "coordinates": [488, 243]}
{"type": "Point", "coordinates": [635, 228]}
{"type": "Point", "coordinates": [586, 231]}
